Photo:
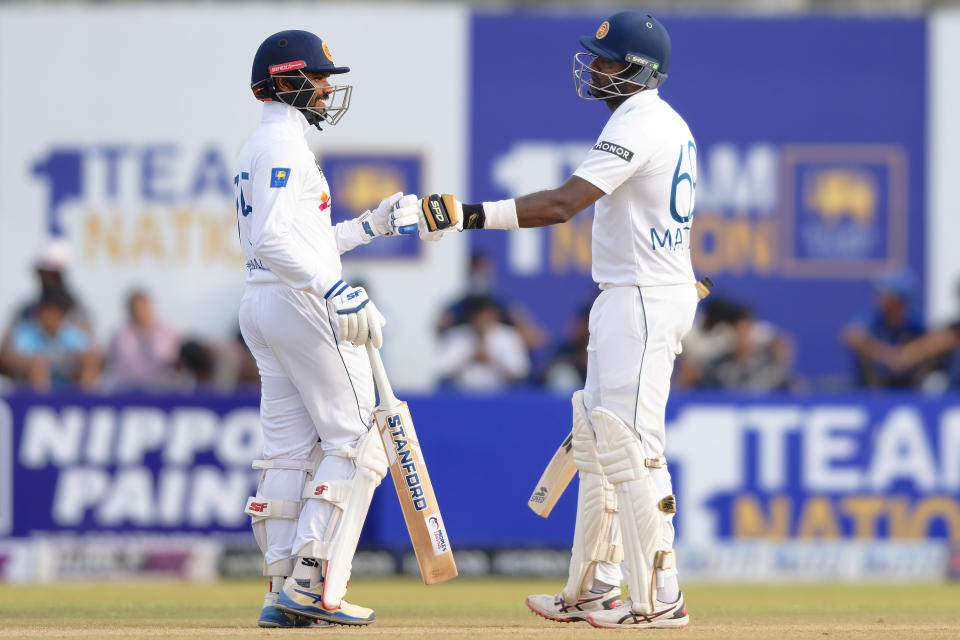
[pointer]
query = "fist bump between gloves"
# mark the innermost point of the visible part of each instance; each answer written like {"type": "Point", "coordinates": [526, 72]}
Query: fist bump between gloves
{"type": "Point", "coordinates": [357, 316]}
{"type": "Point", "coordinates": [396, 214]}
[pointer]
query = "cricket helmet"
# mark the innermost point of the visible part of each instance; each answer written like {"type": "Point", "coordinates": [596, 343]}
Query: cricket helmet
{"type": "Point", "coordinates": [634, 37]}
{"type": "Point", "coordinates": [288, 55]}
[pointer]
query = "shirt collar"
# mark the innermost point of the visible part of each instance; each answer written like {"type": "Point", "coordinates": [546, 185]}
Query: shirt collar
{"type": "Point", "coordinates": [284, 114]}
{"type": "Point", "coordinates": [640, 99]}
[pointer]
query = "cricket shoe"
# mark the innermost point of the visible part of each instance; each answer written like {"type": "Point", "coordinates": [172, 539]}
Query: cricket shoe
{"type": "Point", "coordinates": [297, 600]}
{"type": "Point", "coordinates": [272, 618]}
{"type": "Point", "coordinates": [664, 616]}
{"type": "Point", "coordinates": [559, 610]}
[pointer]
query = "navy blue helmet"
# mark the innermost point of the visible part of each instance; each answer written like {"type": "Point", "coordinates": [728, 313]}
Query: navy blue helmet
{"type": "Point", "coordinates": [288, 55]}
{"type": "Point", "coordinates": [632, 37]}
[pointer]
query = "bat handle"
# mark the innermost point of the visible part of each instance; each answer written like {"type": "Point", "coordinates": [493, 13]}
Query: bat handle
{"type": "Point", "coordinates": [380, 376]}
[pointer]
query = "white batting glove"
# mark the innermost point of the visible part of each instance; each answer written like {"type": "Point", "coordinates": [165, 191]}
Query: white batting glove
{"type": "Point", "coordinates": [357, 316]}
{"type": "Point", "coordinates": [396, 214]}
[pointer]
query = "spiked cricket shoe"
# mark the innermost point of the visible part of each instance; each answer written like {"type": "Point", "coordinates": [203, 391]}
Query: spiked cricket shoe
{"type": "Point", "coordinates": [557, 609]}
{"type": "Point", "coordinates": [307, 602]}
{"type": "Point", "coordinates": [272, 618]}
{"type": "Point", "coordinates": [664, 616]}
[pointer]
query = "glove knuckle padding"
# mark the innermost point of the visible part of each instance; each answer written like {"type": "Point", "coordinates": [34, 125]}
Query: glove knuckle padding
{"type": "Point", "coordinates": [641, 517]}
{"type": "Point", "coordinates": [596, 508]}
{"type": "Point", "coordinates": [363, 333]}
{"type": "Point", "coordinates": [351, 498]}
{"type": "Point", "coordinates": [375, 323]}
{"type": "Point", "coordinates": [440, 211]}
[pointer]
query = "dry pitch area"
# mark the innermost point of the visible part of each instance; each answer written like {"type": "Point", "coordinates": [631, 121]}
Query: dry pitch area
{"type": "Point", "coordinates": [472, 608]}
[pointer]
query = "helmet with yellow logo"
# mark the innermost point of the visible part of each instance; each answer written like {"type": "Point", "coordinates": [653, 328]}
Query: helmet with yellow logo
{"type": "Point", "coordinates": [289, 55]}
{"type": "Point", "coordinates": [632, 37]}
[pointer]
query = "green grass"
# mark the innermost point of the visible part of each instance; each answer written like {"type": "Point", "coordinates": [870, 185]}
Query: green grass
{"type": "Point", "coordinates": [472, 609]}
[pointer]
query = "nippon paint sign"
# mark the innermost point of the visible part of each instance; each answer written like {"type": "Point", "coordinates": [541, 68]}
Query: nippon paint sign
{"type": "Point", "coordinates": [97, 464]}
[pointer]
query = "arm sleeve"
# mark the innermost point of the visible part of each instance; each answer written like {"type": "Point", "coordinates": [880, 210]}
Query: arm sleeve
{"type": "Point", "coordinates": [350, 235]}
{"type": "Point", "coordinates": [617, 155]}
{"type": "Point", "coordinates": [277, 242]}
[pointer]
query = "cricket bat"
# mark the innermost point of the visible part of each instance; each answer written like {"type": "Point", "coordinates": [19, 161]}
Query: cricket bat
{"type": "Point", "coordinates": [561, 469]}
{"type": "Point", "coordinates": [554, 480]}
{"type": "Point", "coordinates": [411, 480]}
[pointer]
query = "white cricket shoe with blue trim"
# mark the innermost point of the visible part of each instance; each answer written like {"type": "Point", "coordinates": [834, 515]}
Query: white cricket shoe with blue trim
{"type": "Point", "coordinates": [273, 618]}
{"type": "Point", "coordinates": [297, 600]}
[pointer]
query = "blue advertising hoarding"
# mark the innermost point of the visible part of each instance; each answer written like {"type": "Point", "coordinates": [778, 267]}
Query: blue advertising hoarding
{"type": "Point", "coordinates": [810, 161]}
{"type": "Point", "coordinates": [779, 467]}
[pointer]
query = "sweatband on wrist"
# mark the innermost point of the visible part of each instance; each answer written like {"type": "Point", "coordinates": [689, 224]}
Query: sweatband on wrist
{"type": "Point", "coordinates": [473, 216]}
{"type": "Point", "coordinates": [501, 214]}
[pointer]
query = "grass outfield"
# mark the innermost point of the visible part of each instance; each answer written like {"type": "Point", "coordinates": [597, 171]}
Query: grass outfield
{"type": "Point", "coordinates": [471, 608]}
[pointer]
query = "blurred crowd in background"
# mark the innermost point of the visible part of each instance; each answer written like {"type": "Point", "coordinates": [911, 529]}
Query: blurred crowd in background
{"type": "Point", "coordinates": [486, 343]}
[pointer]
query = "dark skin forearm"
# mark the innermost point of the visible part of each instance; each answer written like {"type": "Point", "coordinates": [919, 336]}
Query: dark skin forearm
{"type": "Point", "coordinates": [555, 206]}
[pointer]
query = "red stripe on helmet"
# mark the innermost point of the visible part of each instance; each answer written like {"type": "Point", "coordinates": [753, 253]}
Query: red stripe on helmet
{"type": "Point", "coordinates": [287, 66]}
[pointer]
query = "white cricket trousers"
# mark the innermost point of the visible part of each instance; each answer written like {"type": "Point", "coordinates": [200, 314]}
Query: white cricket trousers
{"type": "Point", "coordinates": [312, 386]}
{"type": "Point", "coordinates": [635, 335]}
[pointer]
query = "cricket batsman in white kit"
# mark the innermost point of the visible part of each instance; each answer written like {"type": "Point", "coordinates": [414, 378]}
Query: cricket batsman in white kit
{"type": "Point", "coordinates": [641, 175]}
{"type": "Point", "coordinates": [307, 327]}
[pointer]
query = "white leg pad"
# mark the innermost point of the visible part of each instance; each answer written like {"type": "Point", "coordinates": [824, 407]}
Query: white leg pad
{"type": "Point", "coordinates": [596, 507]}
{"type": "Point", "coordinates": [262, 508]}
{"type": "Point", "coordinates": [641, 509]}
{"type": "Point", "coordinates": [352, 500]}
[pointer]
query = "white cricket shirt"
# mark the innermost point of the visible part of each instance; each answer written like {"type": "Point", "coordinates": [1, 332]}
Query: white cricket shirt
{"type": "Point", "coordinates": [645, 161]}
{"type": "Point", "coordinates": [283, 207]}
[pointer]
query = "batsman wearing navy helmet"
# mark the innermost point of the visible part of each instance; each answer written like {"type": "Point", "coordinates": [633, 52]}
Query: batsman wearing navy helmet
{"type": "Point", "coordinates": [640, 176]}
{"type": "Point", "coordinates": [306, 328]}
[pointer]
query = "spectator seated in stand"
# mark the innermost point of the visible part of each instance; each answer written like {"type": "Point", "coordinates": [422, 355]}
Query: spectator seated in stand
{"type": "Point", "coordinates": [729, 349]}
{"type": "Point", "coordinates": [143, 352]}
{"type": "Point", "coordinates": [48, 351]}
{"type": "Point", "coordinates": [484, 354]}
{"type": "Point", "coordinates": [875, 339]}
{"type": "Point", "coordinates": [480, 286]}
{"type": "Point", "coordinates": [567, 369]}
{"type": "Point", "coordinates": [49, 265]}
{"type": "Point", "coordinates": [937, 351]}
{"type": "Point", "coordinates": [196, 366]}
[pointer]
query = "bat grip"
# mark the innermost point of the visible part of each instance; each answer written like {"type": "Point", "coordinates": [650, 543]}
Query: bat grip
{"type": "Point", "coordinates": [380, 376]}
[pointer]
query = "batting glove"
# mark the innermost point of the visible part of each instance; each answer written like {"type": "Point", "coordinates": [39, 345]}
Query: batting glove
{"type": "Point", "coordinates": [396, 214]}
{"type": "Point", "coordinates": [438, 215]}
{"type": "Point", "coordinates": [358, 318]}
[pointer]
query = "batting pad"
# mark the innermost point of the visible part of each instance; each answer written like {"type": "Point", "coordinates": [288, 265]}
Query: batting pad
{"type": "Point", "coordinates": [351, 498]}
{"type": "Point", "coordinates": [261, 508]}
{"type": "Point", "coordinates": [596, 507]}
{"type": "Point", "coordinates": [641, 518]}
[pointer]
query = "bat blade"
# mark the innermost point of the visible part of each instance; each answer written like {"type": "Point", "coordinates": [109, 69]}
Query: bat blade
{"type": "Point", "coordinates": [421, 512]}
{"type": "Point", "coordinates": [554, 480]}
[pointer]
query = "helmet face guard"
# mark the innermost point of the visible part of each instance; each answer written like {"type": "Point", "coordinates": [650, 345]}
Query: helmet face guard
{"type": "Point", "coordinates": [336, 98]}
{"type": "Point", "coordinates": [639, 74]}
